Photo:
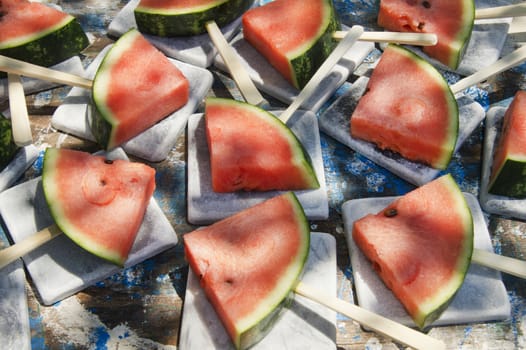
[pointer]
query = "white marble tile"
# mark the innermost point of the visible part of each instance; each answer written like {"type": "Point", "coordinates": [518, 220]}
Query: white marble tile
{"type": "Point", "coordinates": [335, 122]}
{"type": "Point", "coordinates": [197, 50]}
{"type": "Point", "coordinates": [304, 325]}
{"type": "Point", "coordinates": [60, 268]}
{"type": "Point", "coordinates": [482, 297]}
{"type": "Point", "coordinates": [268, 80]}
{"type": "Point", "coordinates": [500, 205]}
{"type": "Point", "coordinates": [153, 144]}
{"type": "Point", "coordinates": [205, 206]}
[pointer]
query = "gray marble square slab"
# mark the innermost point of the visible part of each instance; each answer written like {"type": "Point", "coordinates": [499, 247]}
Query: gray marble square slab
{"type": "Point", "coordinates": [72, 65]}
{"type": "Point", "coordinates": [205, 206]}
{"type": "Point", "coordinates": [60, 268]}
{"type": "Point", "coordinates": [197, 50]}
{"type": "Point", "coordinates": [304, 325]}
{"type": "Point", "coordinates": [19, 164]}
{"type": "Point", "coordinates": [335, 122]}
{"type": "Point", "coordinates": [153, 144]}
{"type": "Point", "coordinates": [267, 79]}
{"type": "Point", "coordinates": [494, 204]}
{"type": "Point", "coordinates": [482, 297]}
{"type": "Point", "coordinates": [14, 315]}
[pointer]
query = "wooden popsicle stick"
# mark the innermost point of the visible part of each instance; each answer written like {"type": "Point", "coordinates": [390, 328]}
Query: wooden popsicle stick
{"type": "Point", "coordinates": [343, 46]}
{"type": "Point", "coordinates": [20, 126]}
{"type": "Point", "coordinates": [419, 39]}
{"type": "Point", "coordinates": [14, 66]}
{"type": "Point", "coordinates": [246, 86]}
{"type": "Point", "coordinates": [515, 10]}
{"type": "Point", "coordinates": [380, 324]}
{"type": "Point", "coordinates": [498, 262]}
{"type": "Point", "coordinates": [501, 65]}
{"type": "Point", "coordinates": [27, 245]}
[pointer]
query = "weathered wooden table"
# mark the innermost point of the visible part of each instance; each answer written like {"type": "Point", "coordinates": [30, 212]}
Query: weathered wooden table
{"type": "Point", "coordinates": [140, 308]}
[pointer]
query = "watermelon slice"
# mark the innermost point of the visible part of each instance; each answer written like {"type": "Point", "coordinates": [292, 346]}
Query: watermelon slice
{"type": "Point", "coordinates": [508, 176]}
{"type": "Point", "coordinates": [295, 36]}
{"type": "Point", "coordinates": [134, 87]}
{"type": "Point", "coordinates": [227, 256]}
{"type": "Point", "coordinates": [451, 21]}
{"type": "Point", "coordinates": [420, 246]}
{"type": "Point", "coordinates": [97, 202]}
{"type": "Point", "coordinates": [251, 149]}
{"type": "Point", "coordinates": [7, 144]}
{"type": "Point", "coordinates": [173, 18]}
{"type": "Point", "coordinates": [408, 108]}
{"type": "Point", "coordinates": [36, 33]}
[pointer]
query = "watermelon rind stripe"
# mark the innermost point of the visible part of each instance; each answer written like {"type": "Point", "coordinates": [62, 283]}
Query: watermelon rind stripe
{"type": "Point", "coordinates": [254, 326]}
{"type": "Point", "coordinates": [306, 59]}
{"type": "Point", "coordinates": [171, 22]}
{"type": "Point", "coordinates": [300, 156]}
{"type": "Point", "coordinates": [448, 146]}
{"type": "Point", "coordinates": [509, 180]}
{"type": "Point", "coordinates": [9, 148]}
{"type": "Point", "coordinates": [432, 308]}
{"type": "Point", "coordinates": [51, 46]}
{"type": "Point", "coordinates": [103, 122]}
{"type": "Point", "coordinates": [461, 40]}
{"type": "Point", "coordinates": [52, 189]}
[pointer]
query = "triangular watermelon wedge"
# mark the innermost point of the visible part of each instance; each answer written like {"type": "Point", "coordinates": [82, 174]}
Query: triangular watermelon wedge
{"type": "Point", "coordinates": [39, 34]}
{"type": "Point", "coordinates": [98, 203]}
{"type": "Point", "coordinates": [408, 108]}
{"type": "Point", "coordinates": [135, 87]}
{"type": "Point", "coordinates": [420, 245]}
{"type": "Point", "coordinates": [451, 21]}
{"type": "Point", "coordinates": [251, 149]}
{"type": "Point", "coordinates": [248, 264]}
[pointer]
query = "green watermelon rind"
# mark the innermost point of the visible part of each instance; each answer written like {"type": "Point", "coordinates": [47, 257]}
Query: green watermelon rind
{"type": "Point", "coordinates": [49, 47]}
{"type": "Point", "coordinates": [51, 190]}
{"type": "Point", "coordinates": [434, 307]}
{"type": "Point", "coordinates": [300, 157]}
{"type": "Point", "coordinates": [509, 180]}
{"type": "Point", "coordinates": [9, 148]}
{"type": "Point", "coordinates": [306, 60]}
{"type": "Point", "coordinates": [102, 121]}
{"type": "Point", "coordinates": [190, 21]}
{"type": "Point", "coordinates": [452, 131]}
{"type": "Point", "coordinates": [462, 39]}
{"type": "Point", "coordinates": [257, 325]}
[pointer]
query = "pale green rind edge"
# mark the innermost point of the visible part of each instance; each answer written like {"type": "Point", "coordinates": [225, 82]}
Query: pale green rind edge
{"type": "Point", "coordinates": [462, 38]}
{"type": "Point", "coordinates": [300, 156]}
{"type": "Point", "coordinates": [453, 125]}
{"type": "Point", "coordinates": [255, 326]}
{"type": "Point", "coordinates": [51, 189]}
{"type": "Point", "coordinates": [434, 307]}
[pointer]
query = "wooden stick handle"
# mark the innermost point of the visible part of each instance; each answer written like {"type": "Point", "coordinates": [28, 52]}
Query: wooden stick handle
{"type": "Point", "coordinates": [501, 65]}
{"type": "Point", "coordinates": [515, 10]}
{"type": "Point", "coordinates": [343, 46]}
{"type": "Point", "coordinates": [22, 135]}
{"type": "Point", "coordinates": [239, 74]}
{"type": "Point", "coordinates": [505, 264]}
{"type": "Point", "coordinates": [11, 65]}
{"type": "Point", "coordinates": [380, 324]}
{"type": "Point", "coordinates": [419, 39]}
{"type": "Point", "coordinates": [27, 245]}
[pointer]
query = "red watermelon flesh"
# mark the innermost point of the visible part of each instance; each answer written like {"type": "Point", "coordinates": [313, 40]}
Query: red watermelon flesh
{"type": "Point", "coordinates": [408, 108]}
{"type": "Point", "coordinates": [98, 203]}
{"type": "Point", "coordinates": [508, 167]}
{"type": "Point", "coordinates": [283, 30]}
{"type": "Point", "coordinates": [451, 21]}
{"type": "Point", "coordinates": [135, 87]}
{"type": "Point", "coordinates": [420, 246]}
{"type": "Point", "coordinates": [249, 263]}
{"type": "Point", "coordinates": [20, 18]}
{"type": "Point", "coordinates": [250, 149]}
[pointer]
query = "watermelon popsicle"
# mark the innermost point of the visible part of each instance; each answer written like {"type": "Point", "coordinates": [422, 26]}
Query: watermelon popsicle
{"type": "Point", "coordinates": [155, 91]}
{"type": "Point", "coordinates": [452, 21]}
